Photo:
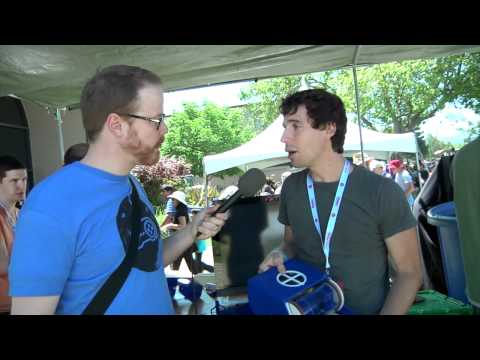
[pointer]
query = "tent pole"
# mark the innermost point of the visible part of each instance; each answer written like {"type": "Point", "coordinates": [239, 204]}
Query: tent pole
{"type": "Point", "coordinates": [357, 99]}
{"type": "Point", "coordinates": [205, 188]}
{"type": "Point", "coordinates": [58, 117]}
{"type": "Point", "coordinates": [418, 166]}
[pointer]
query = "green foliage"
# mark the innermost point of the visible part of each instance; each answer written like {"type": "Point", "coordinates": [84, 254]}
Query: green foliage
{"type": "Point", "coordinates": [196, 196]}
{"type": "Point", "coordinates": [265, 97]}
{"type": "Point", "coordinates": [463, 73]}
{"type": "Point", "coordinates": [434, 144]}
{"type": "Point", "coordinates": [474, 132]}
{"type": "Point", "coordinates": [394, 97]}
{"type": "Point", "coordinates": [199, 131]}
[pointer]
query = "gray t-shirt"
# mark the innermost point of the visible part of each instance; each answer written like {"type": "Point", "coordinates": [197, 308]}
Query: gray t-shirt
{"type": "Point", "coordinates": [373, 208]}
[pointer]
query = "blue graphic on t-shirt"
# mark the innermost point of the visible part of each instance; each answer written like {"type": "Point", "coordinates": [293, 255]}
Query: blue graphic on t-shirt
{"type": "Point", "coordinates": [73, 232]}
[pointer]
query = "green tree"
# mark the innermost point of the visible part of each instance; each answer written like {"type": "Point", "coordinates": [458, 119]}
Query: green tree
{"type": "Point", "coordinates": [265, 97]}
{"type": "Point", "coordinates": [434, 144]}
{"type": "Point", "coordinates": [394, 97]}
{"type": "Point", "coordinates": [473, 132]}
{"type": "Point", "coordinates": [198, 131]}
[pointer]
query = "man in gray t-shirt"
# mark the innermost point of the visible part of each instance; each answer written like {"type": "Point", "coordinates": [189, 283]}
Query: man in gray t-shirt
{"type": "Point", "coordinates": [373, 222]}
{"type": "Point", "coordinates": [373, 209]}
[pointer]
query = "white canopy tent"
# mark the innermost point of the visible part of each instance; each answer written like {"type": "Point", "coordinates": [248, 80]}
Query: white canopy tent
{"type": "Point", "coordinates": [267, 150]}
{"type": "Point", "coordinates": [53, 75]}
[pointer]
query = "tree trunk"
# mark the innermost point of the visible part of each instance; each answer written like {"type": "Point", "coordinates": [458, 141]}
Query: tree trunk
{"type": "Point", "coordinates": [397, 126]}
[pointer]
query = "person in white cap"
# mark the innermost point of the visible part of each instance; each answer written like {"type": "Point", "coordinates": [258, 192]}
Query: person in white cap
{"type": "Point", "coordinates": [378, 167]}
{"type": "Point", "coordinates": [181, 219]}
{"type": "Point", "coordinates": [357, 159]}
{"type": "Point", "coordinates": [284, 175]}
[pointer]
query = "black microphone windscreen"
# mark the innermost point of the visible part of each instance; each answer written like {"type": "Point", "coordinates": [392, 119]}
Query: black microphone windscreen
{"type": "Point", "coordinates": [252, 181]}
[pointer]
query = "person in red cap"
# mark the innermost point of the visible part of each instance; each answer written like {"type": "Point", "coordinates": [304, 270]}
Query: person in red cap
{"type": "Point", "coordinates": [403, 178]}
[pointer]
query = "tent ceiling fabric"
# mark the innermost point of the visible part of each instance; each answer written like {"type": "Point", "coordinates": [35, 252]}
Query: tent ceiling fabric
{"type": "Point", "coordinates": [54, 75]}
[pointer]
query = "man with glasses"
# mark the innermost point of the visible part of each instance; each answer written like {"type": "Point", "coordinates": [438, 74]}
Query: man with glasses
{"type": "Point", "coordinates": [75, 229]}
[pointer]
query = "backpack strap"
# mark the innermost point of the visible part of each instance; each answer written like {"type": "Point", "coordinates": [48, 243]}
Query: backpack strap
{"type": "Point", "coordinates": [110, 289]}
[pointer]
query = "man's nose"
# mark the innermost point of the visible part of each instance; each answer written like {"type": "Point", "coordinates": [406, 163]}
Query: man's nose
{"type": "Point", "coordinates": [285, 136]}
{"type": "Point", "coordinates": [164, 128]}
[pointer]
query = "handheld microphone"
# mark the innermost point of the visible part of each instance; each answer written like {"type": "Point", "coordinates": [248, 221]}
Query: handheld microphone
{"type": "Point", "coordinates": [248, 184]}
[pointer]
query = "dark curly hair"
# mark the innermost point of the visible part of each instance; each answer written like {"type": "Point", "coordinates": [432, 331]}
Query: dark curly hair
{"type": "Point", "coordinates": [322, 108]}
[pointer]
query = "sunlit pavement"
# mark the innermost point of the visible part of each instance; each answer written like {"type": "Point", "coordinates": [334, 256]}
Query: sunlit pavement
{"type": "Point", "coordinates": [205, 304]}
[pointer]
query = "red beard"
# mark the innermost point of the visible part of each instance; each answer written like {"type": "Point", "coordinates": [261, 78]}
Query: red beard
{"type": "Point", "coordinates": [144, 154]}
{"type": "Point", "coordinates": [149, 159]}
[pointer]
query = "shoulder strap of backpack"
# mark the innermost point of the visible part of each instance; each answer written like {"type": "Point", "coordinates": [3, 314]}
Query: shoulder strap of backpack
{"type": "Point", "coordinates": [109, 290]}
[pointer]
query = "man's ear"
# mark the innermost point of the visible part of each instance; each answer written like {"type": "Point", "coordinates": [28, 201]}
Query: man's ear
{"type": "Point", "coordinates": [331, 129]}
{"type": "Point", "coordinates": [116, 125]}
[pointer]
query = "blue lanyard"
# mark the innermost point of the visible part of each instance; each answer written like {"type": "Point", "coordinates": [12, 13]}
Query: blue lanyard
{"type": "Point", "coordinates": [333, 213]}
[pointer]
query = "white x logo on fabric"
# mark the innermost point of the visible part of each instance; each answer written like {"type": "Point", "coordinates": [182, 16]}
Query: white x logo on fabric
{"type": "Point", "coordinates": [291, 278]}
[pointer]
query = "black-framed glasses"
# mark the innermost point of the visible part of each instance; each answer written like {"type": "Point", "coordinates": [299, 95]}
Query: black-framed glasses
{"type": "Point", "coordinates": [157, 121]}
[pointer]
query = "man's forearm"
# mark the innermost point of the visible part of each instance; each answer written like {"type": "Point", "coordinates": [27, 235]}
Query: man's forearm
{"type": "Point", "coordinates": [401, 295]}
{"type": "Point", "coordinates": [4, 260]}
{"type": "Point", "coordinates": [3, 266]}
{"type": "Point", "coordinates": [175, 245]}
{"type": "Point", "coordinates": [35, 305]}
{"type": "Point", "coordinates": [168, 219]}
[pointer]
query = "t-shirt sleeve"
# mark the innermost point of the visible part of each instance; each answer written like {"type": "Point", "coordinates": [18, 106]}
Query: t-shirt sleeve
{"type": "Point", "coordinates": [406, 178]}
{"type": "Point", "coordinates": [169, 208]}
{"type": "Point", "coordinates": [393, 209]}
{"type": "Point", "coordinates": [282, 213]}
{"type": "Point", "coordinates": [182, 211]}
{"type": "Point", "coordinates": [42, 256]}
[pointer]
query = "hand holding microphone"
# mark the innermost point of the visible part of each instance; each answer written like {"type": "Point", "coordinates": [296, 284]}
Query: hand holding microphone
{"type": "Point", "coordinates": [211, 220]}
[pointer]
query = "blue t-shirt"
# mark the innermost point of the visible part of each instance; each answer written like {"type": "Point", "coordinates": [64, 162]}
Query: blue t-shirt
{"type": "Point", "coordinates": [73, 232]}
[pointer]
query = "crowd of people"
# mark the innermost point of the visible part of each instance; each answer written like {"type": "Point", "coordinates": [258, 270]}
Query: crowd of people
{"type": "Point", "coordinates": [405, 175]}
{"type": "Point", "coordinates": [86, 240]}
{"type": "Point", "coordinates": [274, 188]}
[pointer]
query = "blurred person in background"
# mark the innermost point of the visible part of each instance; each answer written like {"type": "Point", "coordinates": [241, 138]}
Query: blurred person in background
{"type": "Point", "coordinates": [13, 186]}
{"type": "Point", "coordinates": [403, 178]}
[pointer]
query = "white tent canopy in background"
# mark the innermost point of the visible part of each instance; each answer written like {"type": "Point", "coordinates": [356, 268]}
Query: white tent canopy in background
{"type": "Point", "coordinates": [54, 75]}
{"type": "Point", "coordinates": [267, 150]}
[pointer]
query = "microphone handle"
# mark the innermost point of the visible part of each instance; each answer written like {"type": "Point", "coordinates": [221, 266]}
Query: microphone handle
{"type": "Point", "coordinates": [226, 205]}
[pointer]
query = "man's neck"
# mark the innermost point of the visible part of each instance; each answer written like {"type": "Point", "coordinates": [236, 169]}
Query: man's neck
{"type": "Point", "coordinates": [328, 168]}
{"type": "Point", "coordinates": [109, 159]}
